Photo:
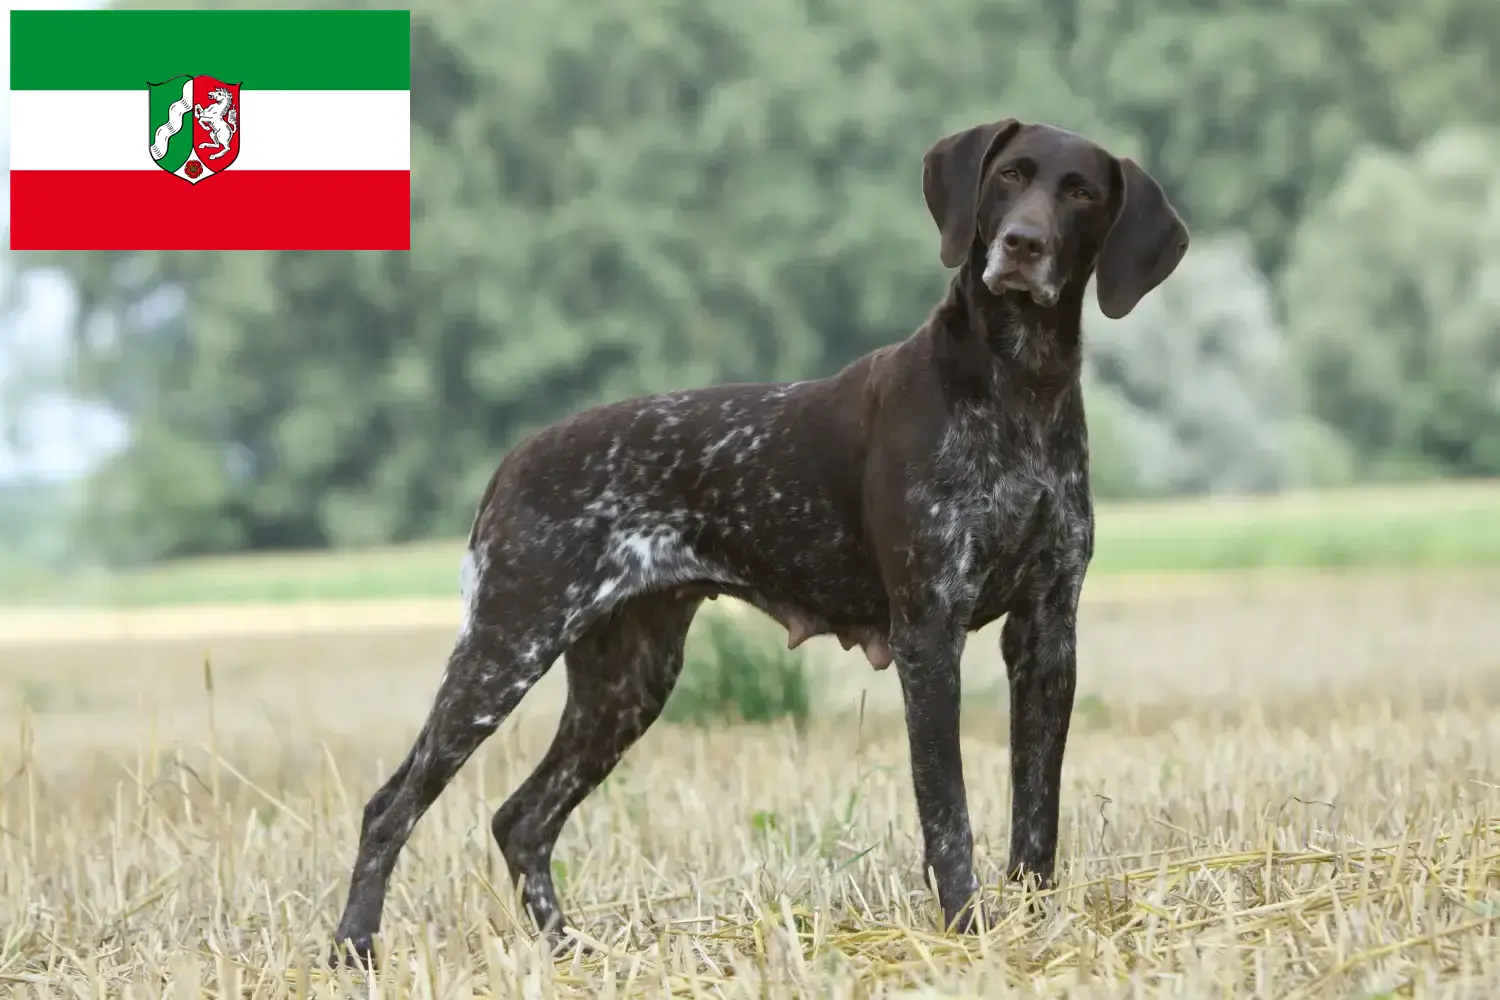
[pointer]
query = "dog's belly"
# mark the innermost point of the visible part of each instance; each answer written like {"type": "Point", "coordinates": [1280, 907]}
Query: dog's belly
{"type": "Point", "coordinates": [802, 623]}
{"type": "Point", "coordinates": [818, 582]}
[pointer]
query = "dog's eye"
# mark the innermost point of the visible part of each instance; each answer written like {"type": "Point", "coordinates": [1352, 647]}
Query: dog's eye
{"type": "Point", "coordinates": [1082, 194]}
{"type": "Point", "coordinates": [1010, 174]}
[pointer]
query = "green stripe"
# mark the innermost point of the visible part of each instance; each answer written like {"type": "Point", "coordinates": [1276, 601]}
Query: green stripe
{"type": "Point", "coordinates": [180, 146]}
{"type": "Point", "coordinates": [263, 50]}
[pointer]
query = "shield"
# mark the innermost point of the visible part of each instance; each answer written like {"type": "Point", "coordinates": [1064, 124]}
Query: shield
{"type": "Point", "coordinates": [195, 126]}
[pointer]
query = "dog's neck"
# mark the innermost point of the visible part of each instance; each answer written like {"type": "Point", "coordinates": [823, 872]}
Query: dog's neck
{"type": "Point", "coordinates": [988, 344]}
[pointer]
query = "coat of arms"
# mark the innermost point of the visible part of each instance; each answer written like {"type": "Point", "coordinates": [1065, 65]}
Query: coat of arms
{"type": "Point", "coordinates": [195, 126]}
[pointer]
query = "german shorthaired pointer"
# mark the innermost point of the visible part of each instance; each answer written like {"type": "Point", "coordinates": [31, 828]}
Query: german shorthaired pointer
{"type": "Point", "coordinates": [918, 494]}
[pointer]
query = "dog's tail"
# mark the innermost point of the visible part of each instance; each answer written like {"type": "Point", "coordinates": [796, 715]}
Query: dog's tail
{"type": "Point", "coordinates": [484, 505]}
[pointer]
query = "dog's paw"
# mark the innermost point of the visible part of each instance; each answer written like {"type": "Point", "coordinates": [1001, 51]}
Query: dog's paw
{"type": "Point", "coordinates": [559, 942]}
{"type": "Point", "coordinates": [357, 952]}
{"type": "Point", "coordinates": [971, 919]}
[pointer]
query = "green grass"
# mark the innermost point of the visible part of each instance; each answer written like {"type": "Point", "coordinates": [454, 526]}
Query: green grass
{"type": "Point", "coordinates": [731, 675]}
{"type": "Point", "coordinates": [428, 569]}
{"type": "Point", "coordinates": [1446, 526]}
{"type": "Point", "coordinates": [1443, 526]}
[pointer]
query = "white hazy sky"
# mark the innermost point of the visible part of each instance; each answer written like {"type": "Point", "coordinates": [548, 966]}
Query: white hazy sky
{"type": "Point", "coordinates": [59, 438]}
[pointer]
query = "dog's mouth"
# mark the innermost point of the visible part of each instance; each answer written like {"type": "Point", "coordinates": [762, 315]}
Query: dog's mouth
{"type": "Point", "coordinates": [1004, 274]}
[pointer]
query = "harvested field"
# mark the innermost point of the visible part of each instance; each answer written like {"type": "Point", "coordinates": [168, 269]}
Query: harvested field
{"type": "Point", "coordinates": [1277, 786]}
{"type": "Point", "coordinates": [1411, 527]}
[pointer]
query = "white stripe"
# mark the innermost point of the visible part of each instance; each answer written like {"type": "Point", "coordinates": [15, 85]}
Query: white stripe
{"type": "Point", "coordinates": [284, 130]}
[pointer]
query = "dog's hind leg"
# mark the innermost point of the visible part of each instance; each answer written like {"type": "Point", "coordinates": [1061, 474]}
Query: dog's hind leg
{"type": "Point", "coordinates": [489, 672]}
{"type": "Point", "coordinates": [620, 674]}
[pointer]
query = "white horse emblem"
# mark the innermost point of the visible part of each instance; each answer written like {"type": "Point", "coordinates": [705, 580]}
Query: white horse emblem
{"type": "Point", "coordinates": [219, 119]}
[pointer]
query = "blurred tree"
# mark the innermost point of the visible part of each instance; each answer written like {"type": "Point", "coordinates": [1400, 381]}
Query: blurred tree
{"type": "Point", "coordinates": [1192, 391]}
{"type": "Point", "coordinates": [649, 194]}
{"type": "Point", "coordinates": [1247, 112]}
{"type": "Point", "coordinates": [638, 197]}
{"type": "Point", "coordinates": [1393, 292]}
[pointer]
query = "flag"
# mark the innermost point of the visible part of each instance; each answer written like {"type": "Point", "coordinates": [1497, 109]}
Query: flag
{"type": "Point", "coordinates": [210, 130]}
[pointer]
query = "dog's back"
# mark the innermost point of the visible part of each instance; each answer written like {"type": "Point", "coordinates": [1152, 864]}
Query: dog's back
{"type": "Point", "coordinates": [755, 488]}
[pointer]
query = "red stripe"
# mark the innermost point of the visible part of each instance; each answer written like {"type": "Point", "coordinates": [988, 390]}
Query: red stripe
{"type": "Point", "coordinates": [237, 210]}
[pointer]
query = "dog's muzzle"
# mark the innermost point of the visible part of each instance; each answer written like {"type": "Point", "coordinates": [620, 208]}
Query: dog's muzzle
{"type": "Point", "coordinates": [1020, 259]}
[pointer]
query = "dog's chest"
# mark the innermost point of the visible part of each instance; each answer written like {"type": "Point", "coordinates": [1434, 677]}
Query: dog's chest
{"type": "Point", "coordinates": [1000, 495]}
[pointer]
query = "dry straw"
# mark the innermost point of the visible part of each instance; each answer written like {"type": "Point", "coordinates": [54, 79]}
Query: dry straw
{"type": "Point", "coordinates": [1346, 845]}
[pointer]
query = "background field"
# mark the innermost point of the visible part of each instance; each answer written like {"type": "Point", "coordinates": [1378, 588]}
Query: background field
{"type": "Point", "coordinates": [1418, 526]}
{"type": "Point", "coordinates": [1283, 772]}
{"type": "Point", "coordinates": [1281, 783]}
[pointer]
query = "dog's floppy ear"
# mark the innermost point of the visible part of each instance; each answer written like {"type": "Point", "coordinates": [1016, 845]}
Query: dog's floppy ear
{"type": "Point", "coordinates": [1144, 246]}
{"type": "Point", "coordinates": [951, 171]}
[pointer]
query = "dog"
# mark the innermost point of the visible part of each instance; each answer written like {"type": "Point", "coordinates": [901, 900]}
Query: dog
{"type": "Point", "coordinates": [920, 493]}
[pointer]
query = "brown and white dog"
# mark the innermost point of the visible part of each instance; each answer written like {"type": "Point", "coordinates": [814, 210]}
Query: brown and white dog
{"type": "Point", "coordinates": [922, 492]}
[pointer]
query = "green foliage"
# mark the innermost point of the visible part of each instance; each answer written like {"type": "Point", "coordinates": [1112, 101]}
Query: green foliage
{"type": "Point", "coordinates": [764, 822]}
{"type": "Point", "coordinates": [1092, 711]}
{"type": "Point", "coordinates": [1250, 111]}
{"type": "Point", "coordinates": [31, 532]}
{"type": "Point", "coordinates": [734, 673]}
{"type": "Point", "coordinates": [653, 194]}
{"type": "Point", "coordinates": [1435, 526]}
{"type": "Point", "coordinates": [1394, 304]}
{"type": "Point", "coordinates": [1113, 473]}
{"type": "Point", "coordinates": [1195, 382]}
{"type": "Point", "coordinates": [1395, 529]}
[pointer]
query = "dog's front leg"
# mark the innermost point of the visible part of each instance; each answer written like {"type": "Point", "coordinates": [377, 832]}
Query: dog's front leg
{"type": "Point", "coordinates": [927, 654]}
{"type": "Point", "coordinates": [1039, 643]}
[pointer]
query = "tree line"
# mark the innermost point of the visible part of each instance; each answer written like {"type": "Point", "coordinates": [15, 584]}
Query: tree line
{"type": "Point", "coordinates": [653, 194]}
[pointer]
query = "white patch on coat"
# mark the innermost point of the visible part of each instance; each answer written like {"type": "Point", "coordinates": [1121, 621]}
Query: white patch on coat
{"type": "Point", "coordinates": [468, 587]}
{"type": "Point", "coordinates": [1042, 276]}
{"type": "Point", "coordinates": [650, 553]}
{"type": "Point", "coordinates": [994, 260]}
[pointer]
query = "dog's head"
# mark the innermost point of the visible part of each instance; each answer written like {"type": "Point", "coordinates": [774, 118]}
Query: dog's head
{"type": "Point", "coordinates": [1046, 207]}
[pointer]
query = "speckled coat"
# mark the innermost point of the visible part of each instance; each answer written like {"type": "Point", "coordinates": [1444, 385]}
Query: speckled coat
{"type": "Point", "coordinates": [922, 492]}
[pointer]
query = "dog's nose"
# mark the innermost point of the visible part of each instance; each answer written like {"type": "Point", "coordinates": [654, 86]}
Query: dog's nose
{"type": "Point", "coordinates": [1024, 241]}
